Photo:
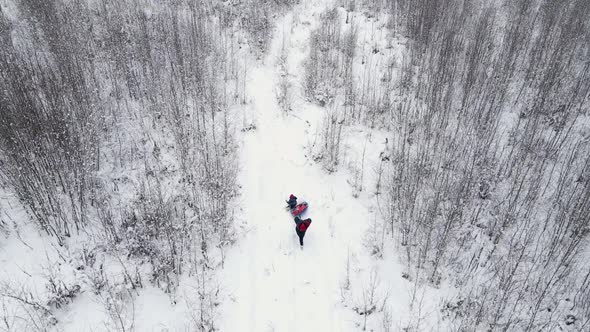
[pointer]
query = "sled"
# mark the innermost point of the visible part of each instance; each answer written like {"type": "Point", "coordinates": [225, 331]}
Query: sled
{"type": "Point", "coordinates": [299, 208]}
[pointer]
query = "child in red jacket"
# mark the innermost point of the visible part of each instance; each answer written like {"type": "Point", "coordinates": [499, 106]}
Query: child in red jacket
{"type": "Point", "coordinates": [292, 202]}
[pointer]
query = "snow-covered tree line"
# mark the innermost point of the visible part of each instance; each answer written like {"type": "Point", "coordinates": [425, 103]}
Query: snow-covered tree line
{"type": "Point", "coordinates": [86, 92]}
{"type": "Point", "coordinates": [117, 122]}
{"type": "Point", "coordinates": [485, 181]}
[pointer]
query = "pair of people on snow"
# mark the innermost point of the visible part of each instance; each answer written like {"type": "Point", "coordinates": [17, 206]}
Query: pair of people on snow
{"type": "Point", "coordinates": [301, 225]}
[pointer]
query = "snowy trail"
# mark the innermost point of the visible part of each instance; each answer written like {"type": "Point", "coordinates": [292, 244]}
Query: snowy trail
{"type": "Point", "coordinates": [275, 285]}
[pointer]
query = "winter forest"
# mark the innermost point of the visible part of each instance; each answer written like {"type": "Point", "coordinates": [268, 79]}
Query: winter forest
{"type": "Point", "coordinates": [148, 148]}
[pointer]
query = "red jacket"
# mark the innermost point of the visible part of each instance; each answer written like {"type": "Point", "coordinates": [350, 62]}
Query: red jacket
{"type": "Point", "coordinates": [302, 225]}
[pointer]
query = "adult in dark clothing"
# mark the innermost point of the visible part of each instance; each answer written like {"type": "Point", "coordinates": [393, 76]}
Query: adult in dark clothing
{"type": "Point", "coordinates": [301, 226]}
{"type": "Point", "coordinates": [292, 202]}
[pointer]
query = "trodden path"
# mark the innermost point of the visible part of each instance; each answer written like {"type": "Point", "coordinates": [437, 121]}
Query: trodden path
{"type": "Point", "coordinates": [273, 284]}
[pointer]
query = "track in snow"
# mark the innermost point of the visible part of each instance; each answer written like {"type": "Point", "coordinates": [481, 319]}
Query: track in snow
{"type": "Point", "coordinates": [274, 285]}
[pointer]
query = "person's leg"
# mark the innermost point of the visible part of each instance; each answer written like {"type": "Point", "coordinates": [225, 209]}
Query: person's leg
{"type": "Point", "coordinates": [300, 234]}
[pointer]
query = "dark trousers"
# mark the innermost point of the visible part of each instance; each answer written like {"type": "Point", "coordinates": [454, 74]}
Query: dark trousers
{"type": "Point", "coordinates": [301, 235]}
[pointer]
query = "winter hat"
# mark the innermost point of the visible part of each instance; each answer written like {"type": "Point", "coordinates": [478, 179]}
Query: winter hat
{"type": "Point", "coordinates": [291, 196]}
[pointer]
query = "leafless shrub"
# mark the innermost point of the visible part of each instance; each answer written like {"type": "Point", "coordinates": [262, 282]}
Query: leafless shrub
{"type": "Point", "coordinates": [331, 139]}
{"type": "Point", "coordinates": [369, 301]}
{"type": "Point", "coordinates": [203, 303]}
{"type": "Point", "coordinates": [31, 313]}
{"type": "Point", "coordinates": [345, 284]}
{"type": "Point", "coordinates": [59, 293]}
{"type": "Point", "coordinates": [284, 94]}
{"type": "Point", "coordinates": [322, 69]}
{"type": "Point", "coordinates": [119, 303]}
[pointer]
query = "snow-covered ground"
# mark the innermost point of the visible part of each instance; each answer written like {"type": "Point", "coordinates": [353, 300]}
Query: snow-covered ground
{"type": "Point", "coordinates": [273, 285]}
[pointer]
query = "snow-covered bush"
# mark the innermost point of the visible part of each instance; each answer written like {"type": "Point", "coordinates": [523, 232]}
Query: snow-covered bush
{"type": "Point", "coordinates": [328, 150]}
{"type": "Point", "coordinates": [61, 294]}
{"type": "Point", "coordinates": [284, 93]}
{"type": "Point", "coordinates": [28, 313]}
{"type": "Point", "coordinates": [253, 17]}
{"type": "Point", "coordinates": [118, 302]}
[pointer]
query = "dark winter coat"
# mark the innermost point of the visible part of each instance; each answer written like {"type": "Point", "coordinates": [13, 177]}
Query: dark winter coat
{"type": "Point", "coordinates": [292, 202]}
{"type": "Point", "coordinates": [300, 227]}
